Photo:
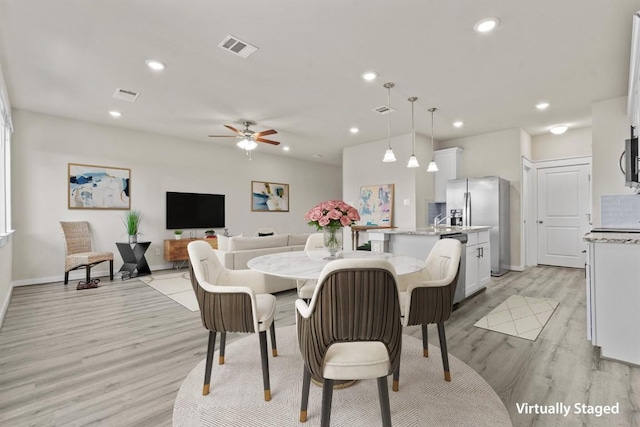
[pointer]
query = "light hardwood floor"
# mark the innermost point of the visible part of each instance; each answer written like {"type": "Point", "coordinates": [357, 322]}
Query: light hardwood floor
{"type": "Point", "coordinates": [118, 354]}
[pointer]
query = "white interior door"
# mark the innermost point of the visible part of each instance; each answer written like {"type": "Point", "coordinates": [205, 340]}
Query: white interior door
{"type": "Point", "coordinates": [563, 214]}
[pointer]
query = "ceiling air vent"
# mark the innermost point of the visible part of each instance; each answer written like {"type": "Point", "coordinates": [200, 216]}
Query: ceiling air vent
{"type": "Point", "coordinates": [237, 46]}
{"type": "Point", "coordinates": [383, 110]}
{"type": "Point", "coordinates": [126, 95]}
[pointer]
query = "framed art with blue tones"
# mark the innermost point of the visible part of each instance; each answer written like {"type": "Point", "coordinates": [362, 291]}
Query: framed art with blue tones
{"type": "Point", "coordinates": [99, 187]}
{"type": "Point", "coordinates": [375, 205]}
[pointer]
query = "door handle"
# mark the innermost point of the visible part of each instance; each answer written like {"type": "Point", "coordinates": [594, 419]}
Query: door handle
{"type": "Point", "coordinates": [482, 252]}
{"type": "Point", "coordinates": [540, 222]}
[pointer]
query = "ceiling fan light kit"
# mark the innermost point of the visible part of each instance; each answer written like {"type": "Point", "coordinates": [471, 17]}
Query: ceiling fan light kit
{"type": "Point", "coordinates": [248, 138]}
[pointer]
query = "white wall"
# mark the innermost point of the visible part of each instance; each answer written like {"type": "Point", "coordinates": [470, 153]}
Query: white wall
{"type": "Point", "coordinates": [497, 153]}
{"type": "Point", "coordinates": [43, 145]}
{"type": "Point", "coordinates": [5, 245]}
{"type": "Point", "coordinates": [572, 143]}
{"type": "Point", "coordinates": [362, 165]}
{"type": "Point", "coordinates": [610, 129]}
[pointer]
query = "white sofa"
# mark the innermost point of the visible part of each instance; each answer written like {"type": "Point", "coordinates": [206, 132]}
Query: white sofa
{"type": "Point", "coordinates": [235, 252]}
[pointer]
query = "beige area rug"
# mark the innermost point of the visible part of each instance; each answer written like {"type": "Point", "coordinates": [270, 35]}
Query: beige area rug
{"type": "Point", "coordinates": [519, 316]}
{"type": "Point", "coordinates": [176, 286]}
{"type": "Point", "coordinates": [424, 399]}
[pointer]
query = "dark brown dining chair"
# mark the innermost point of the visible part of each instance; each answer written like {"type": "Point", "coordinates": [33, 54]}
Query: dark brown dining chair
{"type": "Point", "coordinates": [78, 252]}
{"type": "Point", "coordinates": [229, 304]}
{"type": "Point", "coordinates": [429, 297]}
{"type": "Point", "coordinates": [350, 330]}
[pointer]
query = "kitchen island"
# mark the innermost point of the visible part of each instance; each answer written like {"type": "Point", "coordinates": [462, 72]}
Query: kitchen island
{"type": "Point", "coordinates": [613, 294]}
{"type": "Point", "coordinates": [475, 269]}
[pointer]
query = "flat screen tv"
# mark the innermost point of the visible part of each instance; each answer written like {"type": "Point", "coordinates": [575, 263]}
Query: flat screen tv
{"type": "Point", "coordinates": [194, 210]}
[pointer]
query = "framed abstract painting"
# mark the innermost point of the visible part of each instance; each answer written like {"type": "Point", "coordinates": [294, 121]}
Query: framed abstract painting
{"type": "Point", "coordinates": [98, 187]}
{"type": "Point", "coordinates": [269, 197]}
{"type": "Point", "coordinates": [375, 205]}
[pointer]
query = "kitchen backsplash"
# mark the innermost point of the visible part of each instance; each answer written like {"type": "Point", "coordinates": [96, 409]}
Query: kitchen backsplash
{"type": "Point", "coordinates": [435, 209]}
{"type": "Point", "coordinates": [620, 211]}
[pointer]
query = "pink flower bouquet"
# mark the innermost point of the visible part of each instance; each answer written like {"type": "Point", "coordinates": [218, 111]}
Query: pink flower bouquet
{"type": "Point", "coordinates": [332, 214]}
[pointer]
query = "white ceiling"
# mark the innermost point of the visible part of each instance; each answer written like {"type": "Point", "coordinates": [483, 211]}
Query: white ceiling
{"type": "Point", "coordinates": [67, 57]}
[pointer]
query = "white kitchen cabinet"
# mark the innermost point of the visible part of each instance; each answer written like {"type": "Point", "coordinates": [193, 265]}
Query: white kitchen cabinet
{"type": "Point", "coordinates": [448, 162]}
{"type": "Point", "coordinates": [478, 263]}
{"type": "Point", "coordinates": [613, 298]}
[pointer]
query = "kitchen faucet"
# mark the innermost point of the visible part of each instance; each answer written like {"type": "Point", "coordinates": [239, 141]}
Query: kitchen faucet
{"type": "Point", "coordinates": [437, 221]}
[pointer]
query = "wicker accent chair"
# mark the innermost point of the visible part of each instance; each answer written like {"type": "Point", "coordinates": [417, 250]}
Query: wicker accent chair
{"type": "Point", "coordinates": [306, 287]}
{"type": "Point", "coordinates": [77, 248]}
{"type": "Point", "coordinates": [229, 304]}
{"type": "Point", "coordinates": [350, 330]}
{"type": "Point", "coordinates": [429, 296]}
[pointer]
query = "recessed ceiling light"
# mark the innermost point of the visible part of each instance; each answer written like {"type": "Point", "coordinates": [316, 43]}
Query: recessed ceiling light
{"type": "Point", "coordinates": [458, 124]}
{"type": "Point", "coordinates": [486, 25]}
{"type": "Point", "coordinates": [286, 148]}
{"type": "Point", "coordinates": [114, 113]}
{"type": "Point", "coordinates": [155, 65]}
{"type": "Point", "coordinates": [558, 130]}
{"type": "Point", "coordinates": [317, 156]}
{"type": "Point", "coordinates": [542, 105]}
{"type": "Point", "coordinates": [369, 76]}
{"type": "Point", "coordinates": [354, 130]}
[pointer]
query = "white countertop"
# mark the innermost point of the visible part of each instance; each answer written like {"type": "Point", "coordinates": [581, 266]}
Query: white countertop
{"type": "Point", "coordinates": [431, 231]}
{"type": "Point", "coordinates": [627, 238]}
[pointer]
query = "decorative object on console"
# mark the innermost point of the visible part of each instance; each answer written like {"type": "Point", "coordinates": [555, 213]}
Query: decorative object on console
{"type": "Point", "coordinates": [375, 205]}
{"type": "Point", "coordinates": [210, 234]}
{"type": "Point", "coordinates": [432, 165]}
{"type": "Point", "coordinates": [330, 217]}
{"type": "Point", "coordinates": [98, 187]}
{"type": "Point", "coordinates": [388, 155]}
{"type": "Point", "coordinates": [177, 234]}
{"type": "Point", "coordinates": [269, 197]}
{"type": "Point", "coordinates": [132, 223]}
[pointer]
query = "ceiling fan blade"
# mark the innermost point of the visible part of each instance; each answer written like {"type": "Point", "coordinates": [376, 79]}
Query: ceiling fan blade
{"type": "Point", "coordinates": [232, 128]}
{"type": "Point", "coordinates": [268, 141]}
{"type": "Point", "coordinates": [265, 133]}
{"type": "Point", "coordinates": [223, 136]}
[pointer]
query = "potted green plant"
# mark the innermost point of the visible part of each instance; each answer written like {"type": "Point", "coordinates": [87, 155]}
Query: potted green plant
{"type": "Point", "coordinates": [132, 223]}
{"type": "Point", "coordinates": [177, 234]}
{"type": "Point", "coordinates": [211, 234]}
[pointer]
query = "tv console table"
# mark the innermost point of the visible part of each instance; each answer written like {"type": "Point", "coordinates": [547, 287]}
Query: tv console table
{"type": "Point", "coordinates": [176, 250]}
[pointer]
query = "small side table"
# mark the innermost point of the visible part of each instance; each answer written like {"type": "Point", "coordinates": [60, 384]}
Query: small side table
{"type": "Point", "coordinates": [133, 256]}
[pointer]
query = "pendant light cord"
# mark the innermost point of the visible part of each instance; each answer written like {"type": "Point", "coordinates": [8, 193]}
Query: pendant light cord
{"type": "Point", "coordinates": [389, 85]}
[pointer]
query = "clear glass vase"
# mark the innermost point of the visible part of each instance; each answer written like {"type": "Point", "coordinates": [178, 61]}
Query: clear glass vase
{"type": "Point", "coordinates": [332, 240]}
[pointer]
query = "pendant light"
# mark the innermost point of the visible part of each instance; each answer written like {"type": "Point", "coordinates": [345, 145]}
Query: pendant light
{"type": "Point", "coordinates": [432, 165]}
{"type": "Point", "coordinates": [413, 160]}
{"type": "Point", "coordinates": [388, 155]}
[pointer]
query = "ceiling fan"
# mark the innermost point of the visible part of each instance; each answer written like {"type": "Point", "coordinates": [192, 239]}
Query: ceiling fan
{"type": "Point", "coordinates": [248, 138]}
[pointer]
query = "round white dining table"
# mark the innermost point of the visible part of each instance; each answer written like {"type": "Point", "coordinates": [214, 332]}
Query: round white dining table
{"type": "Point", "coordinates": [307, 265]}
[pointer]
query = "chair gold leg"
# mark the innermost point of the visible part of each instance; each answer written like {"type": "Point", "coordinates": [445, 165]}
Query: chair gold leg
{"type": "Point", "coordinates": [205, 390]}
{"type": "Point", "coordinates": [274, 352]}
{"type": "Point", "coordinates": [447, 376]}
{"type": "Point", "coordinates": [303, 416]}
{"type": "Point", "coordinates": [396, 385]}
{"type": "Point", "coordinates": [267, 395]}
{"type": "Point", "coordinates": [425, 353]}
{"type": "Point", "coordinates": [221, 360]}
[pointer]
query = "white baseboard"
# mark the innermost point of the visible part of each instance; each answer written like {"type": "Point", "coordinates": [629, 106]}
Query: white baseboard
{"type": "Point", "coordinates": [517, 267]}
{"type": "Point", "coordinates": [79, 275]}
{"type": "Point", "coordinates": [5, 305]}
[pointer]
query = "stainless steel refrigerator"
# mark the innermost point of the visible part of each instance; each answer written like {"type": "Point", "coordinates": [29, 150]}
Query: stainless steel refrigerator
{"type": "Point", "coordinates": [484, 201]}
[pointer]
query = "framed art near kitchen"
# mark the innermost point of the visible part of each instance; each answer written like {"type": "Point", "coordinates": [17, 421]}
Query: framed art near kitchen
{"type": "Point", "coordinates": [375, 205]}
{"type": "Point", "coordinates": [269, 197]}
{"type": "Point", "coordinates": [98, 187]}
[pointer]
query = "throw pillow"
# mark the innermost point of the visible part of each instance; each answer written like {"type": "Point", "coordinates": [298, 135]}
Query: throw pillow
{"type": "Point", "coordinates": [223, 241]}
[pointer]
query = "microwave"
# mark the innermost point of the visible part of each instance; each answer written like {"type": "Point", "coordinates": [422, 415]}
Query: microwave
{"type": "Point", "coordinates": [632, 163]}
